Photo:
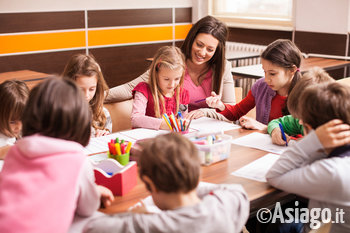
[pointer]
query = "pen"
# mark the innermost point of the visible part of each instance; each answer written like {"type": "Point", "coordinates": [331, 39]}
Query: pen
{"type": "Point", "coordinates": [201, 100]}
{"type": "Point", "coordinates": [283, 134]}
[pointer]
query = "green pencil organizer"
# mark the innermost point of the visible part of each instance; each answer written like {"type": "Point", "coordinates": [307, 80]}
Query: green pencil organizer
{"type": "Point", "coordinates": [122, 159]}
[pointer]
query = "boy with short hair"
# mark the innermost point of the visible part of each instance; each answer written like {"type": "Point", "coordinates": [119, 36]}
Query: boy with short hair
{"type": "Point", "coordinates": [316, 167]}
{"type": "Point", "coordinates": [170, 168]}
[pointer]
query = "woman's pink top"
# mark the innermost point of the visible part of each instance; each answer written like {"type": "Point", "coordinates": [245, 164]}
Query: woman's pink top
{"type": "Point", "coordinates": [199, 92]}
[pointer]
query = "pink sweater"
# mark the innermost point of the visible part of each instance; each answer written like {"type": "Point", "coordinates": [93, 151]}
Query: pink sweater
{"type": "Point", "coordinates": [44, 183]}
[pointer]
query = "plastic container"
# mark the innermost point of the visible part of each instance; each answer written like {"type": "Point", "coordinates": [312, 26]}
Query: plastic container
{"type": "Point", "coordinates": [219, 150]}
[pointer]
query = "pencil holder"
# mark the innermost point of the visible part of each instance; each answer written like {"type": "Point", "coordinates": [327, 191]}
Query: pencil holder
{"type": "Point", "coordinates": [184, 132]}
{"type": "Point", "coordinates": [122, 159]}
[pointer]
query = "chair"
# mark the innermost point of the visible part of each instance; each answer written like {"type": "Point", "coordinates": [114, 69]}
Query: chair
{"type": "Point", "coordinates": [120, 114]}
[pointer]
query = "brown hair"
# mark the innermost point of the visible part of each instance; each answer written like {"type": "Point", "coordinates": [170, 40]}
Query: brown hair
{"type": "Point", "coordinates": [13, 96]}
{"type": "Point", "coordinates": [315, 75]}
{"type": "Point", "coordinates": [172, 58]}
{"type": "Point", "coordinates": [284, 53]}
{"type": "Point", "coordinates": [56, 108]}
{"type": "Point", "coordinates": [324, 102]}
{"type": "Point", "coordinates": [171, 161]}
{"type": "Point", "coordinates": [216, 28]}
{"type": "Point", "coordinates": [86, 65]}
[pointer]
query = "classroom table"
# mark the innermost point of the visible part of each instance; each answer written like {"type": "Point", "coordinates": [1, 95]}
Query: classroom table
{"type": "Point", "coordinates": [31, 78]}
{"type": "Point", "coordinates": [245, 76]}
{"type": "Point", "coordinates": [260, 194]}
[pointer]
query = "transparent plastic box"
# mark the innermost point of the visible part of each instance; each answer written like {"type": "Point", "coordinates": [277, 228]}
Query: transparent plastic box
{"type": "Point", "coordinates": [218, 151]}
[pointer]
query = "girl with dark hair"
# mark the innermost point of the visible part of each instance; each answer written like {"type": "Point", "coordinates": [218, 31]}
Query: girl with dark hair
{"type": "Point", "coordinates": [281, 63]}
{"type": "Point", "coordinates": [46, 179]}
{"type": "Point", "coordinates": [207, 69]}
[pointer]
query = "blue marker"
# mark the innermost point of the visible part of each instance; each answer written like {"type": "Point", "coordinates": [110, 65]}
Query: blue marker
{"type": "Point", "coordinates": [283, 134]}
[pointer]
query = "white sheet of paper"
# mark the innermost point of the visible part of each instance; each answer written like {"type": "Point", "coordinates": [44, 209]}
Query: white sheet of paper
{"type": "Point", "coordinates": [210, 124]}
{"type": "Point", "coordinates": [259, 141]}
{"type": "Point", "coordinates": [100, 144]}
{"type": "Point", "coordinates": [257, 169]}
{"type": "Point", "coordinates": [141, 133]}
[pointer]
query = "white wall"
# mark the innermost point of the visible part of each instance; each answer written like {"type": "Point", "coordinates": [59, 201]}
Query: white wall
{"type": "Point", "coordinates": [7, 6]}
{"type": "Point", "coordinates": [329, 16]}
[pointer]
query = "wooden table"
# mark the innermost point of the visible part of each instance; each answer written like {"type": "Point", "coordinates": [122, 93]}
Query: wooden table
{"type": "Point", "coordinates": [245, 76]}
{"type": "Point", "coordinates": [256, 71]}
{"type": "Point", "coordinates": [31, 78]}
{"type": "Point", "coordinates": [260, 194]}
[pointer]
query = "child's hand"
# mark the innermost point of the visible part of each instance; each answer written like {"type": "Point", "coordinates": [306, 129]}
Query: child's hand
{"type": "Point", "coordinates": [250, 123]}
{"type": "Point", "coordinates": [195, 114]}
{"type": "Point", "coordinates": [333, 134]}
{"type": "Point", "coordinates": [106, 195]}
{"type": "Point", "coordinates": [214, 101]}
{"type": "Point", "coordinates": [164, 125]}
{"type": "Point", "coordinates": [276, 137]}
{"type": "Point", "coordinates": [139, 208]}
{"type": "Point", "coordinates": [101, 132]}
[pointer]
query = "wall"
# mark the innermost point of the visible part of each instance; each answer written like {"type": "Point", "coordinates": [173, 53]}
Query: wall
{"type": "Point", "coordinates": [121, 35]}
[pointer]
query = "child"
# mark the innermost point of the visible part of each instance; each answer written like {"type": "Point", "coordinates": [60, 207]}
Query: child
{"type": "Point", "coordinates": [170, 168]}
{"type": "Point", "coordinates": [163, 93]}
{"type": "Point", "coordinates": [13, 95]}
{"type": "Point", "coordinates": [46, 178]}
{"type": "Point", "coordinates": [87, 74]}
{"type": "Point", "coordinates": [315, 167]}
{"type": "Point", "coordinates": [281, 63]}
{"type": "Point", "coordinates": [290, 123]}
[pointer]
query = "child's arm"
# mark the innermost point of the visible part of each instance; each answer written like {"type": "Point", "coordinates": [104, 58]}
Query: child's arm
{"type": "Point", "coordinates": [290, 126]}
{"type": "Point", "coordinates": [303, 170]}
{"type": "Point", "coordinates": [106, 195]}
{"type": "Point", "coordinates": [138, 115]}
{"type": "Point", "coordinates": [214, 101]}
{"type": "Point", "coordinates": [227, 90]}
{"type": "Point", "coordinates": [124, 92]}
{"type": "Point", "coordinates": [108, 124]}
{"type": "Point", "coordinates": [88, 200]}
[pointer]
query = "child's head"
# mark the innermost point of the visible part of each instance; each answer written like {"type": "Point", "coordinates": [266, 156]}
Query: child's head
{"type": "Point", "coordinates": [87, 74]}
{"type": "Point", "coordinates": [315, 75]}
{"type": "Point", "coordinates": [57, 109]}
{"type": "Point", "coordinates": [321, 103]}
{"type": "Point", "coordinates": [13, 96]}
{"type": "Point", "coordinates": [281, 63]}
{"type": "Point", "coordinates": [169, 164]}
{"type": "Point", "coordinates": [166, 76]}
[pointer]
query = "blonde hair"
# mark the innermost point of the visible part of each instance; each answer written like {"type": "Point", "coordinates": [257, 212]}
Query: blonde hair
{"type": "Point", "coordinates": [86, 65]}
{"type": "Point", "coordinates": [172, 58]}
{"type": "Point", "coordinates": [13, 95]}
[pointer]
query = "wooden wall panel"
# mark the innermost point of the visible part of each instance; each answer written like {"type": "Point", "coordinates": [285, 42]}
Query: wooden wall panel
{"type": "Point", "coordinates": [254, 36]}
{"type": "Point", "coordinates": [183, 15]}
{"type": "Point", "coordinates": [41, 21]}
{"type": "Point", "coordinates": [51, 63]}
{"type": "Point", "coordinates": [110, 18]}
{"type": "Point", "coordinates": [124, 63]}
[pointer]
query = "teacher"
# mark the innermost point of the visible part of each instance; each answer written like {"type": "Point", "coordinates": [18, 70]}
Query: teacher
{"type": "Point", "coordinates": [207, 69]}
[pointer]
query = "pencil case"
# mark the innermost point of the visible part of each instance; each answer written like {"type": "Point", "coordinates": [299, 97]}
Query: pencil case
{"type": "Point", "coordinates": [118, 178]}
{"type": "Point", "coordinates": [218, 151]}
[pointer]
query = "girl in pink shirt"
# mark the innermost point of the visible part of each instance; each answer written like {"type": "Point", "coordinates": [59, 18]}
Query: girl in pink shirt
{"type": "Point", "coordinates": [46, 180]}
{"type": "Point", "coordinates": [163, 93]}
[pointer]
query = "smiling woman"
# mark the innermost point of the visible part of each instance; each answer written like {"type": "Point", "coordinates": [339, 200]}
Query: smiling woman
{"type": "Point", "coordinates": [206, 69]}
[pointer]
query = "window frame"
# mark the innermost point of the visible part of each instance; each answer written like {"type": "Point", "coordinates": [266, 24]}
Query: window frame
{"type": "Point", "coordinates": [242, 21]}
